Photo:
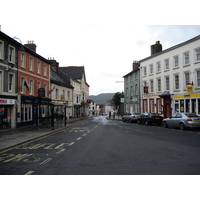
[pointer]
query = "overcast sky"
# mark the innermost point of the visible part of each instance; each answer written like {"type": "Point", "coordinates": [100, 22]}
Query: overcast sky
{"type": "Point", "coordinates": [105, 36]}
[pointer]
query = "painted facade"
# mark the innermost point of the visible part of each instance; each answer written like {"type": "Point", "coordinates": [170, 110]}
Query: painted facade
{"type": "Point", "coordinates": [170, 79]}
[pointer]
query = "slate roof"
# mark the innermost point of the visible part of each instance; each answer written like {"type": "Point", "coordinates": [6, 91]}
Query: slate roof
{"type": "Point", "coordinates": [172, 48]}
{"type": "Point", "coordinates": [75, 72]}
{"type": "Point", "coordinates": [61, 79]}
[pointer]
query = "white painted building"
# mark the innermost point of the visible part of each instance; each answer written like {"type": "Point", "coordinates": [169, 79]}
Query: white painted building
{"type": "Point", "coordinates": [170, 79]}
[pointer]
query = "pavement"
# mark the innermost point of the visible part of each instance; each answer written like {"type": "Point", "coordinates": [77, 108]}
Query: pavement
{"type": "Point", "coordinates": [12, 137]}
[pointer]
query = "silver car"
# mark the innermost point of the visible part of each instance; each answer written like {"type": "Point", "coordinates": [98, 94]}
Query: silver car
{"type": "Point", "coordinates": [130, 117]}
{"type": "Point", "coordinates": [182, 121]}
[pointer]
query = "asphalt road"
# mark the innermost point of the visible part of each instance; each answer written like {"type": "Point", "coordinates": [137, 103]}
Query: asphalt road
{"type": "Point", "coordinates": [98, 146]}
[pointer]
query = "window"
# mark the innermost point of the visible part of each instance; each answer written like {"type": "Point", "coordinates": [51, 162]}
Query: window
{"type": "Point", "coordinates": [11, 54]}
{"type": "Point", "coordinates": [151, 69]}
{"type": "Point", "coordinates": [136, 89]}
{"type": "Point", "coordinates": [186, 58]}
{"type": "Point", "coordinates": [166, 64]}
{"type": "Point", "coordinates": [176, 82]}
{"type": "Point", "coordinates": [152, 105]}
{"type": "Point", "coordinates": [38, 85]}
{"type": "Point", "coordinates": [159, 106]}
{"type": "Point", "coordinates": [158, 84]}
{"type": "Point", "coordinates": [26, 112]}
{"type": "Point", "coordinates": [1, 49]}
{"type": "Point", "coordinates": [198, 78]}
{"type": "Point", "coordinates": [187, 78]}
{"type": "Point", "coordinates": [167, 83]}
{"type": "Point", "coordinates": [31, 68]}
{"type": "Point", "coordinates": [31, 86]}
{"type": "Point", "coordinates": [10, 82]}
{"type": "Point", "coordinates": [45, 88]}
{"type": "Point", "coordinates": [45, 70]}
{"type": "Point", "coordinates": [1, 81]}
{"type": "Point", "coordinates": [176, 61]}
{"type": "Point", "coordinates": [22, 85]}
{"type": "Point", "coordinates": [197, 55]}
{"type": "Point", "coordinates": [68, 95]}
{"type": "Point", "coordinates": [145, 71]}
{"type": "Point", "coordinates": [151, 85]}
{"type": "Point", "coordinates": [39, 67]}
{"type": "Point", "coordinates": [158, 67]}
{"type": "Point", "coordinates": [22, 60]}
{"type": "Point", "coordinates": [145, 106]}
{"type": "Point", "coordinates": [57, 94]}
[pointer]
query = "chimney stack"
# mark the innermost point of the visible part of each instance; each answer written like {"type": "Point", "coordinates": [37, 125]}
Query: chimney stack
{"type": "Point", "coordinates": [136, 65]}
{"type": "Point", "coordinates": [31, 45]}
{"type": "Point", "coordinates": [54, 64]}
{"type": "Point", "coordinates": [155, 48]}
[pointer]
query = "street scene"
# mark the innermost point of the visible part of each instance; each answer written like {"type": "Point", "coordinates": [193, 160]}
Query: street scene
{"type": "Point", "coordinates": [102, 146]}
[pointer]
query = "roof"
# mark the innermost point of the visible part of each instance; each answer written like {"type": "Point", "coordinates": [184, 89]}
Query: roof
{"type": "Point", "coordinates": [63, 80]}
{"type": "Point", "coordinates": [172, 48]}
{"type": "Point", "coordinates": [24, 48]}
{"type": "Point", "coordinates": [133, 71]}
{"type": "Point", "coordinates": [75, 72]}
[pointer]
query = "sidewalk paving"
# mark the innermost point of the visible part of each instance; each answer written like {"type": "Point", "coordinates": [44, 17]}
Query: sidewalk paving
{"type": "Point", "coordinates": [13, 137]}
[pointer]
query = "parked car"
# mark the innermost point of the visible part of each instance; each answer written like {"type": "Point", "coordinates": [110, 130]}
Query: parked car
{"type": "Point", "coordinates": [182, 121]}
{"type": "Point", "coordinates": [150, 118]}
{"type": "Point", "coordinates": [130, 117]}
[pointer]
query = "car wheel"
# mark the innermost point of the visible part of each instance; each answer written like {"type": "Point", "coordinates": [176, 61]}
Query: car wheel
{"type": "Point", "coordinates": [146, 123]}
{"type": "Point", "coordinates": [182, 126]}
{"type": "Point", "coordinates": [138, 121]}
{"type": "Point", "coordinates": [129, 120]}
{"type": "Point", "coordinates": [165, 125]}
{"type": "Point", "coordinates": [123, 119]}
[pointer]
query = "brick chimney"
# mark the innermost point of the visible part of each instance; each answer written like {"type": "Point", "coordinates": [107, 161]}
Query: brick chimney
{"type": "Point", "coordinates": [136, 64]}
{"type": "Point", "coordinates": [31, 45]}
{"type": "Point", "coordinates": [54, 64]}
{"type": "Point", "coordinates": [155, 48]}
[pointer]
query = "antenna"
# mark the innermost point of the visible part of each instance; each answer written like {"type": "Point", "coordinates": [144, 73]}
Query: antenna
{"type": "Point", "coordinates": [16, 38]}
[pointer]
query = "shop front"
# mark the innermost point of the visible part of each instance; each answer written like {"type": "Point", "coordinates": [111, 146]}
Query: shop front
{"type": "Point", "coordinates": [187, 103]}
{"type": "Point", "coordinates": [7, 113]}
{"type": "Point", "coordinates": [35, 111]}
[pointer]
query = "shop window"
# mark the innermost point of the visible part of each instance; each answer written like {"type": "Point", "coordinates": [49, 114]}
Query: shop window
{"type": "Point", "coordinates": [26, 112]}
{"type": "Point", "coordinates": [187, 105]}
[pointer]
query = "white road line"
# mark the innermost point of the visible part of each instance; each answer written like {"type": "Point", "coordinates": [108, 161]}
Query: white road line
{"type": "Point", "coordinates": [70, 144]}
{"type": "Point", "coordinates": [78, 138]}
{"type": "Point", "coordinates": [60, 151]}
{"type": "Point", "coordinates": [29, 172]}
{"type": "Point", "coordinates": [46, 161]}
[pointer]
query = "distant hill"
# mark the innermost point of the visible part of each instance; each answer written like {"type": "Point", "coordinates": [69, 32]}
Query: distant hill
{"type": "Point", "coordinates": [102, 98]}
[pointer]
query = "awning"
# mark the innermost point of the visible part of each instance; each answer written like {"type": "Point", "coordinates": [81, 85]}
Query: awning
{"type": "Point", "coordinates": [165, 94]}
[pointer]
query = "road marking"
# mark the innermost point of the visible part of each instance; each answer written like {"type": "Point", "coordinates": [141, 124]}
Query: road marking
{"type": "Point", "coordinates": [29, 172]}
{"type": "Point", "coordinates": [78, 138]}
{"type": "Point", "coordinates": [46, 161]}
{"type": "Point", "coordinates": [70, 144]}
{"type": "Point", "coordinates": [84, 134]}
{"type": "Point", "coordinates": [60, 151]}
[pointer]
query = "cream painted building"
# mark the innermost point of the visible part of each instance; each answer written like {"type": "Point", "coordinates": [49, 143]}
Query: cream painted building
{"type": "Point", "coordinates": [170, 79]}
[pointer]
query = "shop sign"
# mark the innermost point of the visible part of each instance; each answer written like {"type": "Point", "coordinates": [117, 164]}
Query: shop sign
{"type": "Point", "coordinates": [7, 101]}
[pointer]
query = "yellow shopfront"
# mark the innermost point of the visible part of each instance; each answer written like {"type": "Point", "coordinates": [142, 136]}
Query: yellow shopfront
{"type": "Point", "coordinates": [187, 103]}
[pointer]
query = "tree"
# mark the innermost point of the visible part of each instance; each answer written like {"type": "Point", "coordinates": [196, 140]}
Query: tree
{"type": "Point", "coordinates": [117, 102]}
